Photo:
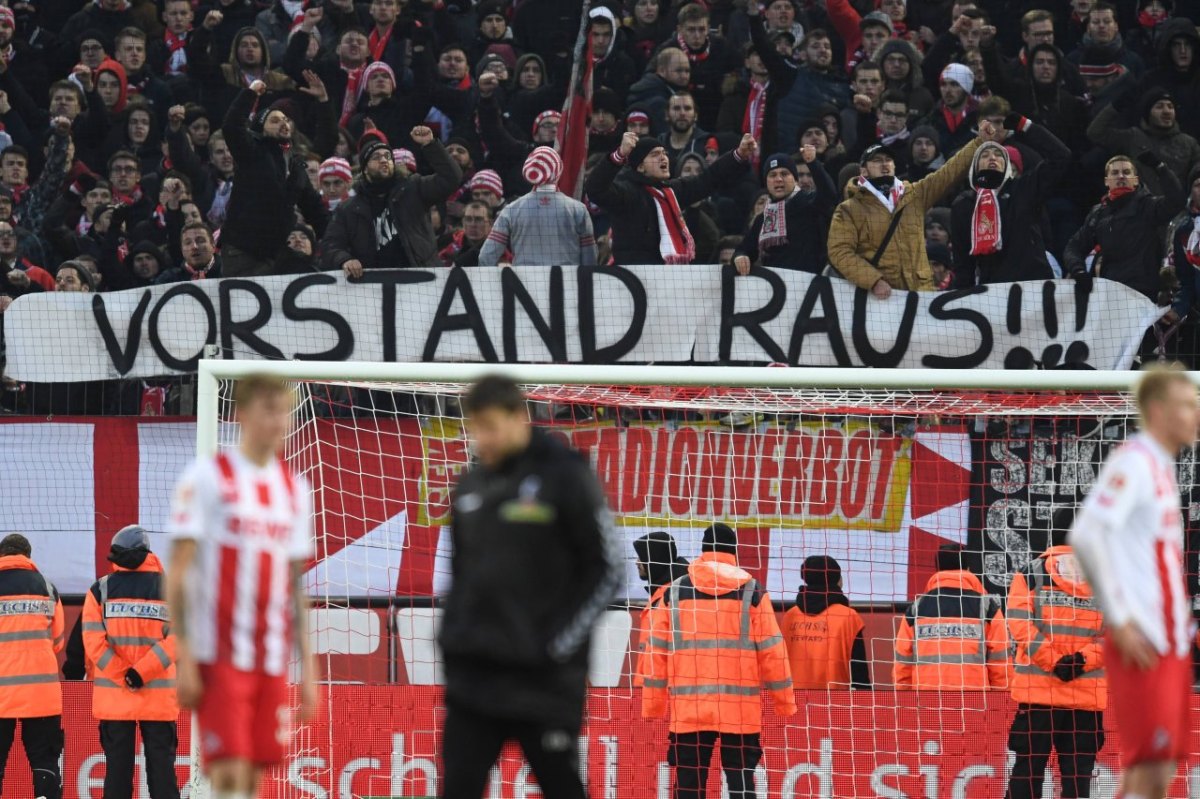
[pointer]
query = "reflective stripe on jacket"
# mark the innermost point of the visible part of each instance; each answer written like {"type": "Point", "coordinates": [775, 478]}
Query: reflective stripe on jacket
{"type": "Point", "coordinates": [644, 620]}
{"type": "Point", "coordinates": [125, 626]}
{"type": "Point", "coordinates": [714, 646]}
{"type": "Point", "coordinates": [1051, 614]}
{"type": "Point", "coordinates": [953, 637]}
{"type": "Point", "coordinates": [31, 632]}
{"type": "Point", "coordinates": [819, 646]}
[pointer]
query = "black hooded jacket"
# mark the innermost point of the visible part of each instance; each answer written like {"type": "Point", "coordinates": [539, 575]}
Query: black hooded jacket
{"type": "Point", "coordinates": [663, 564]}
{"type": "Point", "coordinates": [1184, 85]}
{"type": "Point", "coordinates": [1020, 200]}
{"type": "Point", "coordinates": [533, 567]}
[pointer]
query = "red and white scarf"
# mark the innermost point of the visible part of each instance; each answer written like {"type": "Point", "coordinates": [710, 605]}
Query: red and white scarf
{"type": "Point", "coordinates": [692, 55]}
{"type": "Point", "coordinates": [889, 200]}
{"type": "Point", "coordinates": [133, 198]}
{"type": "Point", "coordinates": [177, 58]}
{"type": "Point", "coordinates": [378, 42]}
{"type": "Point", "coordinates": [756, 110]}
{"type": "Point", "coordinates": [675, 243]}
{"type": "Point", "coordinates": [986, 238]}
{"type": "Point", "coordinates": [774, 232]}
{"type": "Point", "coordinates": [350, 98]}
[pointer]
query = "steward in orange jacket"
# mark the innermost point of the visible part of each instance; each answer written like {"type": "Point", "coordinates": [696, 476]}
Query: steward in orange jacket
{"type": "Point", "coordinates": [953, 637]}
{"type": "Point", "coordinates": [31, 632]}
{"type": "Point", "coordinates": [659, 564]}
{"type": "Point", "coordinates": [824, 634]}
{"type": "Point", "coordinates": [1058, 679]}
{"type": "Point", "coordinates": [714, 646]}
{"type": "Point", "coordinates": [131, 657]}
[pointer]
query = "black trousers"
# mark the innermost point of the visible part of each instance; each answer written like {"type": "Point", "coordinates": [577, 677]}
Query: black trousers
{"type": "Point", "coordinates": [471, 742]}
{"type": "Point", "coordinates": [160, 740]}
{"type": "Point", "coordinates": [690, 753]}
{"type": "Point", "coordinates": [43, 741]}
{"type": "Point", "coordinates": [1077, 735]}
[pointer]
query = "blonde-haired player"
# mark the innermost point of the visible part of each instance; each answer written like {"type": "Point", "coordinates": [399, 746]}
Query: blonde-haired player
{"type": "Point", "coordinates": [242, 529]}
{"type": "Point", "coordinates": [1128, 537]}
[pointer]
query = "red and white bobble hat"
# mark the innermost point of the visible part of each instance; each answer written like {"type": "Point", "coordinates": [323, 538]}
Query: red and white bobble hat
{"type": "Point", "coordinates": [489, 180]}
{"type": "Point", "coordinates": [543, 167]}
{"type": "Point", "coordinates": [404, 156]}
{"type": "Point", "coordinates": [336, 168]}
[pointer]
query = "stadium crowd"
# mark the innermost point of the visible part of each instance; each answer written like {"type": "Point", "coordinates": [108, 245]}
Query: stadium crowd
{"type": "Point", "coordinates": [920, 146]}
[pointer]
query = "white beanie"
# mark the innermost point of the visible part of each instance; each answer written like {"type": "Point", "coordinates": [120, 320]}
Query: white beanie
{"type": "Point", "coordinates": [960, 74]}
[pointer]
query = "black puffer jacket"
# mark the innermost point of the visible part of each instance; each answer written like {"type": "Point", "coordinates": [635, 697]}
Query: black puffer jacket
{"type": "Point", "coordinates": [631, 209]}
{"type": "Point", "coordinates": [1184, 85]}
{"type": "Point", "coordinates": [534, 566]}
{"type": "Point", "coordinates": [1129, 232]}
{"type": "Point", "coordinates": [352, 233]}
{"type": "Point", "coordinates": [272, 183]}
{"type": "Point", "coordinates": [808, 218]}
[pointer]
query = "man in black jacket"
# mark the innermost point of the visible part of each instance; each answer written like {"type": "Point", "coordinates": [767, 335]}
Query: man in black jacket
{"type": "Point", "coordinates": [1125, 229]}
{"type": "Point", "coordinates": [534, 566]}
{"type": "Point", "coordinates": [996, 225]}
{"type": "Point", "coordinates": [272, 183]}
{"type": "Point", "coordinates": [790, 232]}
{"type": "Point", "coordinates": [386, 223]}
{"type": "Point", "coordinates": [645, 207]}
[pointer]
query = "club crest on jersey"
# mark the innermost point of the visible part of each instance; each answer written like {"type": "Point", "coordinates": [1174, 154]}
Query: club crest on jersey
{"type": "Point", "coordinates": [526, 508]}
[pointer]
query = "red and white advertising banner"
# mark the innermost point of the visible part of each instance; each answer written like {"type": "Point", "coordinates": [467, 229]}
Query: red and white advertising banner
{"type": "Point", "coordinates": [383, 741]}
{"type": "Point", "coordinates": [878, 501]}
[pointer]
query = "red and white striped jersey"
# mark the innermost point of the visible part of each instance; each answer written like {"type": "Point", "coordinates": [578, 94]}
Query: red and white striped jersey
{"type": "Point", "coordinates": [249, 523]}
{"type": "Point", "coordinates": [1129, 538]}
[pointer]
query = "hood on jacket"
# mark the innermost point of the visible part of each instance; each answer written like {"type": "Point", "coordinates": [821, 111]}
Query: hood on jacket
{"type": "Point", "coordinates": [959, 579]}
{"type": "Point", "coordinates": [1175, 28]}
{"type": "Point", "coordinates": [17, 562]}
{"type": "Point", "coordinates": [822, 587]}
{"type": "Point", "coordinates": [1065, 572]}
{"type": "Point", "coordinates": [663, 565]}
{"type": "Point", "coordinates": [521, 62]}
{"type": "Point", "coordinates": [110, 65]}
{"type": "Point", "coordinates": [1008, 165]}
{"type": "Point", "coordinates": [150, 564]}
{"type": "Point", "coordinates": [717, 573]}
{"type": "Point", "coordinates": [905, 48]}
{"type": "Point", "coordinates": [926, 132]}
{"type": "Point", "coordinates": [249, 30]}
{"type": "Point", "coordinates": [603, 12]}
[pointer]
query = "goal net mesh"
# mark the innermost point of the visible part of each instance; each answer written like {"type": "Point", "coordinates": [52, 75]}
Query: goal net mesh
{"type": "Point", "coordinates": [879, 481]}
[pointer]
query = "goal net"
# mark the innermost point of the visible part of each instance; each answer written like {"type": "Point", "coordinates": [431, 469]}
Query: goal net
{"type": "Point", "coordinates": [852, 466]}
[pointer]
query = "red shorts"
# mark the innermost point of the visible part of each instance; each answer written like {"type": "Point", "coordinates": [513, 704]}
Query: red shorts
{"type": "Point", "coordinates": [243, 715]}
{"type": "Point", "coordinates": [1151, 708]}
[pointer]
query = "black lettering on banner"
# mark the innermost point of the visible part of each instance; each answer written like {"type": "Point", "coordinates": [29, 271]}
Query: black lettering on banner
{"type": "Point", "coordinates": [389, 279]}
{"type": "Point", "coordinates": [820, 289]}
{"type": "Point", "coordinates": [1013, 320]}
{"type": "Point", "coordinates": [867, 353]}
{"type": "Point", "coordinates": [122, 360]}
{"type": "Point", "coordinates": [939, 311]}
{"type": "Point", "coordinates": [244, 329]}
{"type": "Point", "coordinates": [169, 360]}
{"type": "Point", "coordinates": [587, 314]}
{"type": "Point", "coordinates": [750, 321]}
{"type": "Point", "coordinates": [554, 334]}
{"type": "Point", "coordinates": [1049, 309]}
{"type": "Point", "coordinates": [458, 284]}
{"type": "Point", "coordinates": [344, 348]}
{"type": "Point", "coordinates": [1082, 295]}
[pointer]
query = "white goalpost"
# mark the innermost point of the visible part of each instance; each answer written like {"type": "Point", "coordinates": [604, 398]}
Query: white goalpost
{"type": "Point", "coordinates": [876, 469]}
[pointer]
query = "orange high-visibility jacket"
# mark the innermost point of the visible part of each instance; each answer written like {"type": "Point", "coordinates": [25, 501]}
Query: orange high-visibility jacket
{"type": "Point", "coordinates": [644, 620]}
{"type": "Point", "coordinates": [714, 645]}
{"type": "Point", "coordinates": [819, 646]}
{"type": "Point", "coordinates": [31, 632]}
{"type": "Point", "coordinates": [1051, 613]}
{"type": "Point", "coordinates": [953, 637]}
{"type": "Point", "coordinates": [125, 625]}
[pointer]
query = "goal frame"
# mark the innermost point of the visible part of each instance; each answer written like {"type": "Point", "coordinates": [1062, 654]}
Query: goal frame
{"type": "Point", "coordinates": [211, 372]}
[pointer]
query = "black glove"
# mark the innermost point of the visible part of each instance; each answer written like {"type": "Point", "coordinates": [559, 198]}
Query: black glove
{"type": "Point", "coordinates": [1149, 158]}
{"type": "Point", "coordinates": [1015, 123]}
{"type": "Point", "coordinates": [1070, 667]}
{"type": "Point", "coordinates": [133, 679]}
{"type": "Point", "coordinates": [1083, 278]}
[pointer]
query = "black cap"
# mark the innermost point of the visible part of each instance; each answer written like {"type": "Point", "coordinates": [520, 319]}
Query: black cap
{"type": "Point", "coordinates": [876, 150]}
{"type": "Point", "coordinates": [645, 146]}
{"type": "Point", "coordinates": [719, 537]}
{"type": "Point", "coordinates": [779, 161]}
{"type": "Point", "coordinates": [820, 571]}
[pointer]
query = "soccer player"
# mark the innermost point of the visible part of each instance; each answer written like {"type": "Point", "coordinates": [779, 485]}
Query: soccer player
{"type": "Point", "coordinates": [1128, 538]}
{"type": "Point", "coordinates": [534, 566]}
{"type": "Point", "coordinates": [242, 529]}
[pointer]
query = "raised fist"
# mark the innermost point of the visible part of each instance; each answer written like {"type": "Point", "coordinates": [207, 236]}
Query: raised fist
{"type": "Point", "coordinates": [212, 19]}
{"type": "Point", "coordinates": [628, 142]}
{"type": "Point", "coordinates": [421, 135]}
